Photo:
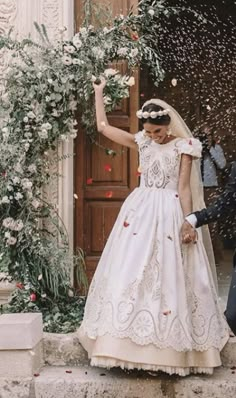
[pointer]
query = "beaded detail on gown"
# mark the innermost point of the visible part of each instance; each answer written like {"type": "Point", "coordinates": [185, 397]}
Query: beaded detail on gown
{"type": "Point", "coordinates": [152, 303]}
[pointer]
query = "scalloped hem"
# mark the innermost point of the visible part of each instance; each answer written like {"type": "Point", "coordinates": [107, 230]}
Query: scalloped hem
{"type": "Point", "coordinates": [108, 351]}
{"type": "Point", "coordinates": [171, 370]}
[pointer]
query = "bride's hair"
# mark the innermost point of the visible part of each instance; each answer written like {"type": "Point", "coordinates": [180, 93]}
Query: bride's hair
{"type": "Point", "coordinates": [162, 120]}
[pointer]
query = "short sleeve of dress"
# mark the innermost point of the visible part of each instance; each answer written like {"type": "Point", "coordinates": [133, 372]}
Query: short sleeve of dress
{"type": "Point", "coordinates": [190, 146]}
{"type": "Point", "coordinates": [140, 138]}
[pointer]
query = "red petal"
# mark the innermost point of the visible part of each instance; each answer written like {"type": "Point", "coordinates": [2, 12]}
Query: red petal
{"type": "Point", "coordinates": [107, 167]}
{"type": "Point", "coordinates": [89, 181]}
{"type": "Point", "coordinates": [109, 194]}
{"type": "Point", "coordinates": [36, 374]}
{"type": "Point", "coordinates": [176, 195]}
{"type": "Point", "coordinates": [138, 174]}
{"type": "Point", "coordinates": [126, 224]}
{"type": "Point", "coordinates": [167, 312]}
{"type": "Point", "coordinates": [190, 142]}
{"type": "Point", "coordinates": [68, 371]}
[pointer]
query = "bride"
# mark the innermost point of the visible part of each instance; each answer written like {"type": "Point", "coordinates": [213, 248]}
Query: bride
{"type": "Point", "coordinates": [152, 303]}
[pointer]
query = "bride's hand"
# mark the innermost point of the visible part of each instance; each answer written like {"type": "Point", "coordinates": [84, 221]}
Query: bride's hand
{"type": "Point", "coordinates": [99, 84]}
{"type": "Point", "coordinates": [188, 233]}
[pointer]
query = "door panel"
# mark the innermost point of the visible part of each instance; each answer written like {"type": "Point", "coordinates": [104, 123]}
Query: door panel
{"type": "Point", "coordinates": [102, 182]}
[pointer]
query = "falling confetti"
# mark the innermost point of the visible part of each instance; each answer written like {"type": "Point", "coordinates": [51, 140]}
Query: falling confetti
{"type": "Point", "coordinates": [167, 312]}
{"type": "Point", "coordinates": [89, 181]}
{"type": "Point", "coordinates": [109, 194]}
{"type": "Point", "coordinates": [107, 167]}
{"type": "Point", "coordinates": [174, 82]}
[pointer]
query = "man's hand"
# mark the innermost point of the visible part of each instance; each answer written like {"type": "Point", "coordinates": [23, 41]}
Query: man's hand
{"type": "Point", "coordinates": [188, 233]}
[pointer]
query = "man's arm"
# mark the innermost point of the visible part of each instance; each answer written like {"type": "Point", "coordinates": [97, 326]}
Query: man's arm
{"type": "Point", "coordinates": [223, 205]}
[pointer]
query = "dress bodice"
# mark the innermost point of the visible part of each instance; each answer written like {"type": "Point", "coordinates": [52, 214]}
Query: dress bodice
{"type": "Point", "coordinates": [160, 163]}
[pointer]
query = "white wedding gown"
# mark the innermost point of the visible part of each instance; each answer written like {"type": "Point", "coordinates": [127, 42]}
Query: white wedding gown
{"type": "Point", "coordinates": [152, 303]}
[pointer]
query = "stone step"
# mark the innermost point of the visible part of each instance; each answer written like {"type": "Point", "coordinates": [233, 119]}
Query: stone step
{"type": "Point", "coordinates": [87, 382]}
{"type": "Point", "coordinates": [65, 349]}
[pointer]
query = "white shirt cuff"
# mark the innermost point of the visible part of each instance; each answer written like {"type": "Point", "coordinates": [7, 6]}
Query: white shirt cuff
{"type": "Point", "coordinates": [192, 220]}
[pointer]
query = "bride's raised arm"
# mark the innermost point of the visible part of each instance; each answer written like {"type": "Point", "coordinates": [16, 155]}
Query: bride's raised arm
{"type": "Point", "coordinates": [113, 133]}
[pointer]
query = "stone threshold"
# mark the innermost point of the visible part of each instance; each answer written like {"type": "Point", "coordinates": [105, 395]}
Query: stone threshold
{"type": "Point", "coordinates": [65, 349]}
{"type": "Point", "coordinates": [87, 382]}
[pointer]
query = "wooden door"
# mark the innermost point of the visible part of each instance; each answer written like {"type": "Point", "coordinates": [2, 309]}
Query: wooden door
{"type": "Point", "coordinates": [101, 192]}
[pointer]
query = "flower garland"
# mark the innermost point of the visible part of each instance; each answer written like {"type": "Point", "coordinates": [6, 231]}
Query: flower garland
{"type": "Point", "coordinates": [45, 90]}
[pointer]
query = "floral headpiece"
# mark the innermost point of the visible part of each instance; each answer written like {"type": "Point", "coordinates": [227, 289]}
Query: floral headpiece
{"type": "Point", "coordinates": [145, 115]}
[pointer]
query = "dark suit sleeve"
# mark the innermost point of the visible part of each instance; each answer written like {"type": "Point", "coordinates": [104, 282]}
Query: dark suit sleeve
{"type": "Point", "coordinates": [223, 205]}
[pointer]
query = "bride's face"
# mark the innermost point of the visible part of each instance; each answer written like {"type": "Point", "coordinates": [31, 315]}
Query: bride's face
{"type": "Point", "coordinates": [156, 132]}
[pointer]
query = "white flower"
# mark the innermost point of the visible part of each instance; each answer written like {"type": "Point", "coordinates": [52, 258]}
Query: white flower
{"type": "Point", "coordinates": [93, 78]}
{"type": "Point", "coordinates": [208, 108]}
{"type": "Point", "coordinates": [39, 75]}
{"type": "Point", "coordinates": [77, 41]}
{"type": "Point", "coordinates": [10, 187]}
{"type": "Point", "coordinates": [32, 168]}
{"type": "Point", "coordinates": [63, 137]}
{"type": "Point", "coordinates": [46, 126]}
{"type": "Point", "coordinates": [18, 168]}
{"type": "Point", "coordinates": [26, 183]}
{"type": "Point", "coordinates": [107, 100]}
{"type": "Point", "coordinates": [5, 199]}
{"type": "Point", "coordinates": [151, 12]}
{"type": "Point", "coordinates": [67, 60]}
{"type": "Point", "coordinates": [55, 113]}
{"type": "Point", "coordinates": [122, 51]}
{"type": "Point", "coordinates": [40, 277]}
{"type": "Point", "coordinates": [98, 52]}
{"type": "Point", "coordinates": [43, 134]}
{"type": "Point", "coordinates": [8, 223]}
{"type": "Point", "coordinates": [131, 81]}
{"type": "Point", "coordinates": [35, 203]}
{"type": "Point", "coordinates": [73, 105]}
{"type": "Point", "coordinates": [11, 241]}
{"type": "Point", "coordinates": [26, 119]}
{"type": "Point", "coordinates": [134, 52]}
{"type": "Point", "coordinates": [69, 49]}
{"type": "Point", "coordinates": [73, 135]}
{"type": "Point", "coordinates": [27, 145]}
{"type": "Point", "coordinates": [83, 31]}
{"type": "Point", "coordinates": [18, 196]}
{"type": "Point", "coordinates": [31, 115]}
{"type": "Point", "coordinates": [77, 61]}
{"type": "Point", "coordinates": [110, 72]}
{"type": "Point", "coordinates": [18, 225]}
{"type": "Point", "coordinates": [5, 130]}
{"type": "Point", "coordinates": [7, 234]}
{"type": "Point", "coordinates": [47, 98]}
{"type": "Point", "coordinates": [174, 82]}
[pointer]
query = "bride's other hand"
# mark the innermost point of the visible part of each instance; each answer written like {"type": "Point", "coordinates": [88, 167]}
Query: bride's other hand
{"type": "Point", "coordinates": [188, 233]}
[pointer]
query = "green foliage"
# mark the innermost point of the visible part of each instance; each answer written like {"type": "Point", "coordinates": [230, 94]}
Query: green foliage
{"type": "Point", "coordinates": [47, 86]}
